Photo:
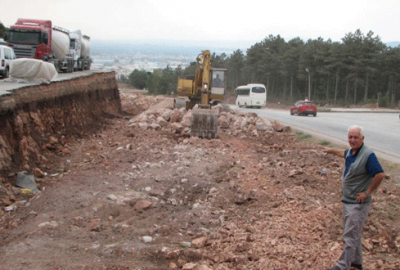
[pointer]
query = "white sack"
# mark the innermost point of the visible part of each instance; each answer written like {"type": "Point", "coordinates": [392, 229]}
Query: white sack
{"type": "Point", "coordinates": [32, 70]}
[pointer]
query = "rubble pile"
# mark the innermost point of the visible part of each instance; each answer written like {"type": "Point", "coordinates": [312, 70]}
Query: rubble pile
{"type": "Point", "coordinates": [178, 121]}
{"type": "Point", "coordinates": [142, 195]}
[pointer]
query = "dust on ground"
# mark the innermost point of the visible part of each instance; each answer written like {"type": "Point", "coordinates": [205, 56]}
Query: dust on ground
{"type": "Point", "coordinates": [148, 196]}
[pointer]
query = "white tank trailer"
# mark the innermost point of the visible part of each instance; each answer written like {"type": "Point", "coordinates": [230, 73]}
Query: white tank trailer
{"type": "Point", "coordinates": [60, 43]}
{"type": "Point", "coordinates": [60, 48]}
{"type": "Point", "coordinates": [80, 50]}
{"type": "Point", "coordinates": [61, 57]}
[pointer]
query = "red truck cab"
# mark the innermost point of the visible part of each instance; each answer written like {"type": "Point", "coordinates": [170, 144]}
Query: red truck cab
{"type": "Point", "coordinates": [30, 38]}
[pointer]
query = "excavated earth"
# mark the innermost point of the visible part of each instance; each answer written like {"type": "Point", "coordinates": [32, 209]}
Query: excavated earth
{"type": "Point", "coordinates": [135, 191]}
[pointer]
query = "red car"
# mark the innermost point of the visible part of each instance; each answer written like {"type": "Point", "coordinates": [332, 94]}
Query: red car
{"type": "Point", "coordinates": [302, 107]}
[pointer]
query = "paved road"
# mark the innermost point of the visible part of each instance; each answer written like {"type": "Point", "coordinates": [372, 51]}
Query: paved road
{"type": "Point", "coordinates": [9, 85]}
{"type": "Point", "coordinates": [382, 130]}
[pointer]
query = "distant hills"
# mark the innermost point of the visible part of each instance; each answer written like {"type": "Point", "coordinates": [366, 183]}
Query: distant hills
{"type": "Point", "coordinates": [393, 43]}
{"type": "Point", "coordinates": [163, 47]}
{"type": "Point", "coordinates": [184, 48]}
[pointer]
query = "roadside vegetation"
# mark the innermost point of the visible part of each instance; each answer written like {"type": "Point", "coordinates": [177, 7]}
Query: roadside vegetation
{"type": "Point", "coordinates": [301, 136]}
{"type": "Point", "coordinates": [3, 30]}
{"type": "Point", "coordinates": [308, 138]}
{"type": "Point", "coordinates": [325, 143]}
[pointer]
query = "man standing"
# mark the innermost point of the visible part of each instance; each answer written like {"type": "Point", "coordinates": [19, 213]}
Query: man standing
{"type": "Point", "coordinates": [362, 175]}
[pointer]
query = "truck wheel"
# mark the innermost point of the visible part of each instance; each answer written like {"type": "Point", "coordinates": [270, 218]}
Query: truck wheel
{"type": "Point", "coordinates": [58, 69]}
{"type": "Point", "coordinates": [71, 66]}
{"type": "Point", "coordinates": [5, 73]}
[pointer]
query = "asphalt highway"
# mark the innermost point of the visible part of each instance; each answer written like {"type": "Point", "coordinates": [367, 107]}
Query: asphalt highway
{"type": "Point", "coordinates": [381, 128]}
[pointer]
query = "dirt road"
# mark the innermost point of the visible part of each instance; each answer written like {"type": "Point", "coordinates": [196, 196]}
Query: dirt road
{"type": "Point", "coordinates": [139, 193]}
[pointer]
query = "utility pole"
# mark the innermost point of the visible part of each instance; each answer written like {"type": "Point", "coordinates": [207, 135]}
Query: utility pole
{"type": "Point", "coordinates": [309, 84]}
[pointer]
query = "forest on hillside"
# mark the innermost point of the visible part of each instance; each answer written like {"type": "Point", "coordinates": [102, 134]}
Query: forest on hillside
{"type": "Point", "coordinates": [357, 70]}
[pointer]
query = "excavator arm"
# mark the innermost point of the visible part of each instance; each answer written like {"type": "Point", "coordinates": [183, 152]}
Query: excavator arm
{"type": "Point", "coordinates": [204, 68]}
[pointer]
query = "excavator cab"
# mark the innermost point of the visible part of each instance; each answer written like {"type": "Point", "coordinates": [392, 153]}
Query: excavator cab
{"type": "Point", "coordinates": [217, 93]}
{"type": "Point", "coordinates": [218, 81]}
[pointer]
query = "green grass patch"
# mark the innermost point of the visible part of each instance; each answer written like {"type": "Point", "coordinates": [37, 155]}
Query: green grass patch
{"type": "Point", "coordinates": [324, 143]}
{"type": "Point", "coordinates": [301, 136]}
{"type": "Point", "coordinates": [393, 166]}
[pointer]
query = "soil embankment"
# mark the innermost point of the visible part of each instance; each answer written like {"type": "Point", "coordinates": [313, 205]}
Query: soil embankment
{"type": "Point", "coordinates": [37, 118]}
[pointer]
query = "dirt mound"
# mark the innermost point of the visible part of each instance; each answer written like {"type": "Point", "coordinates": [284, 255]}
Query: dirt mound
{"type": "Point", "coordinates": [137, 196]}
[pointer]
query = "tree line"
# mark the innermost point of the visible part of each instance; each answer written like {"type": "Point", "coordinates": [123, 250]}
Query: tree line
{"type": "Point", "coordinates": [3, 30]}
{"type": "Point", "coordinates": [360, 69]}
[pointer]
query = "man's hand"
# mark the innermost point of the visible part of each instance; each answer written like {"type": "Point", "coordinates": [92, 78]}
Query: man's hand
{"type": "Point", "coordinates": [336, 152]}
{"type": "Point", "coordinates": [361, 197]}
{"type": "Point", "coordinates": [326, 150]}
{"type": "Point", "coordinates": [376, 181]}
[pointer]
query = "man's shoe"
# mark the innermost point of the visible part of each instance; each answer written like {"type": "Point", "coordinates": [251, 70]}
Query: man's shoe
{"type": "Point", "coordinates": [356, 266]}
{"type": "Point", "coordinates": [334, 268]}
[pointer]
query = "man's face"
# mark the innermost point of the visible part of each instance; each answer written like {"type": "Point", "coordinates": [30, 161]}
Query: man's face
{"type": "Point", "coordinates": [355, 139]}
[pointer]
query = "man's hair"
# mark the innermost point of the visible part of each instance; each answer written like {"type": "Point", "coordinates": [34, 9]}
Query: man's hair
{"type": "Point", "coordinates": [356, 127]}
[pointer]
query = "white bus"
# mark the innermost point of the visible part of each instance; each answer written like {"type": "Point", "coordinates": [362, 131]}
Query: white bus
{"type": "Point", "coordinates": [251, 95]}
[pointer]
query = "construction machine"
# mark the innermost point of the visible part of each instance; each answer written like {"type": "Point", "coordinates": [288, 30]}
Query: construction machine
{"type": "Point", "coordinates": [205, 88]}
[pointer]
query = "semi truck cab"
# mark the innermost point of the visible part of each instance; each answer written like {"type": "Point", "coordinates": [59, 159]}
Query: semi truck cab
{"type": "Point", "coordinates": [30, 38]}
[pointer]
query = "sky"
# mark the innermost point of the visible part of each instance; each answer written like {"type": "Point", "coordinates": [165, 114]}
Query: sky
{"type": "Point", "coordinates": [212, 20]}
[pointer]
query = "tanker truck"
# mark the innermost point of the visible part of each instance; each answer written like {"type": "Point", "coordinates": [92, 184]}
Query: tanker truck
{"type": "Point", "coordinates": [80, 50]}
{"type": "Point", "coordinates": [38, 39]}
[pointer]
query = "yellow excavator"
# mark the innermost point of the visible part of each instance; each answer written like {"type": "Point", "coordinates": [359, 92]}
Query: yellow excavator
{"type": "Point", "coordinates": [205, 88]}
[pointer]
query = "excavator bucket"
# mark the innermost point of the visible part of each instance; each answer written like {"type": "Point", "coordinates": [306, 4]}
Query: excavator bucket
{"type": "Point", "coordinates": [205, 123]}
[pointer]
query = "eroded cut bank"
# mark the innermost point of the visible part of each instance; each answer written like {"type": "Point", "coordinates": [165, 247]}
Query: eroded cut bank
{"type": "Point", "coordinates": [34, 118]}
